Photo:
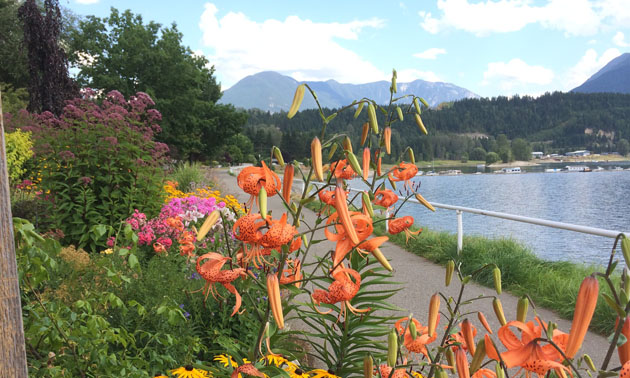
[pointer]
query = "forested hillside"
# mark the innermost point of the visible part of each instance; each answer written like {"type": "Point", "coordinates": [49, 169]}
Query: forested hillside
{"type": "Point", "coordinates": [554, 122]}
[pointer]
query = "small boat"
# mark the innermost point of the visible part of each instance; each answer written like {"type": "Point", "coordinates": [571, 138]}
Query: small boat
{"type": "Point", "coordinates": [431, 173]}
{"type": "Point", "coordinates": [577, 168]}
{"type": "Point", "coordinates": [598, 169]}
{"type": "Point", "coordinates": [553, 170]}
{"type": "Point", "coordinates": [617, 169]}
{"type": "Point", "coordinates": [451, 172]}
{"type": "Point", "coordinates": [510, 170]}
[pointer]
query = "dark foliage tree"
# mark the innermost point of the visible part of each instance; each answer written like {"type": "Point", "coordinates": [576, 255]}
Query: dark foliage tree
{"type": "Point", "coordinates": [521, 150]}
{"type": "Point", "coordinates": [49, 83]}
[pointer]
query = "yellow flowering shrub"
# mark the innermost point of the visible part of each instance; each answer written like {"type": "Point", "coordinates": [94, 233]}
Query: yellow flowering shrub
{"type": "Point", "coordinates": [18, 149]}
{"type": "Point", "coordinates": [230, 201]}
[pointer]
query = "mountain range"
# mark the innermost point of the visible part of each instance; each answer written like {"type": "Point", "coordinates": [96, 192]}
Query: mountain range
{"type": "Point", "coordinates": [613, 77]}
{"type": "Point", "coordinates": [271, 91]}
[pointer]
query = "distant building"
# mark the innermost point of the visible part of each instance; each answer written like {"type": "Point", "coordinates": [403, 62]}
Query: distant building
{"type": "Point", "coordinates": [579, 153]}
{"type": "Point", "coordinates": [537, 155]}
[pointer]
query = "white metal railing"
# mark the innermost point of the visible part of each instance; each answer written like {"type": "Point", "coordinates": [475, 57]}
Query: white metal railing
{"type": "Point", "coordinates": [459, 210]}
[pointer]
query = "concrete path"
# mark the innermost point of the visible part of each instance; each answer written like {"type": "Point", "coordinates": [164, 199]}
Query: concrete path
{"type": "Point", "coordinates": [422, 278]}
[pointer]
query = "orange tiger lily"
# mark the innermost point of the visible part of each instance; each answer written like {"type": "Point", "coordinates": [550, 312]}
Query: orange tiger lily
{"type": "Point", "coordinates": [386, 370]}
{"type": "Point", "coordinates": [402, 224]}
{"type": "Point", "coordinates": [404, 172]}
{"type": "Point", "coordinates": [527, 352]}
{"type": "Point", "coordinates": [417, 345]}
{"type": "Point", "coordinates": [278, 234]}
{"type": "Point", "coordinates": [387, 198]}
{"type": "Point", "coordinates": [247, 230]}
{"type": "Point", "coordinates": [212, 273]}
{"type": "Point", "coordinates": [361, 223]}
{"type": "Point", "coordinates": [342, 289]}
{"type": "Point", "coordinates": [327, 197]}
{"type": "Point", "coordinates": [343, 170]}
{"type": "Point", "coordinates": [294, 273]}
{"type": "Point", "coordinates": [247, 369]}
{"type": "Point", "coordinates": [251, 179]}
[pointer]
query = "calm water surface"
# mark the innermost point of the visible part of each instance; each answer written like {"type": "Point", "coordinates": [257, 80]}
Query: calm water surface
{"type": "Point", "coordinates": [596, 199]}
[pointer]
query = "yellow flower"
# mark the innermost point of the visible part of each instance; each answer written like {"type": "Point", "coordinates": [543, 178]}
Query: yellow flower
{"type": "Point", "coordinates": [278, 361]}
{"type": "Point", "coordinates": [189, 372]}
{"type": "Point", "coordinates": [321, 373]}
{"type": "Point", "coordinates": [107, 251]}
{"type": "Point", "coordinates": [415, 374]}
{"type": "Point", "coordinates": [226, 360]}
{"type": "Point", "coordinates": [298, 373]}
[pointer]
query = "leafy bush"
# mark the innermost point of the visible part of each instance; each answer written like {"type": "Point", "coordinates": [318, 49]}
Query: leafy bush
{"type": "Point", "coordinates": [18, 151]}
{"type": "Point", "coordinates": [97, 162]}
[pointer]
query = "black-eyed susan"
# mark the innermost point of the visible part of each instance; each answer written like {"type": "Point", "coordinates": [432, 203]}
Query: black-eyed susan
{"type": "Point", "coordinates": [415, 374]}
{"type": "Point", "coordinates": [297, 373]}
{"type": "Point", "coordinates": [189, 372]}
{"type": "Point", "coordinates": [321, 373]}
{"type": "Point", "coordinates": [227, 360]}
{"type": "Point", "coordinates": [279, 361]}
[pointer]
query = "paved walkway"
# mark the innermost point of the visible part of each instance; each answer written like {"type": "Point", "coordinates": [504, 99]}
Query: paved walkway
{"type": "Point", "coordinates": [422, 278]}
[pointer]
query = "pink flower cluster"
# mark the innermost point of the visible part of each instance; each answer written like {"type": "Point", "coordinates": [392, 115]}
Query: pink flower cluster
{"type": "Point", "coordinates": [170, 225]}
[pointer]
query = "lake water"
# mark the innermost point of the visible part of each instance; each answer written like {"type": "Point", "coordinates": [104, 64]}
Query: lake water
{"type": "Point", "coordinates": [595, 199]}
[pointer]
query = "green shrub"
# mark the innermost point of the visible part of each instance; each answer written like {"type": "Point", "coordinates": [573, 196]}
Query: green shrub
{"type": "Point", "coordinates": [18, 150]}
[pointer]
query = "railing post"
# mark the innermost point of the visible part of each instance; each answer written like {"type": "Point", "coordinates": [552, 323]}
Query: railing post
{"type": "Point", "coordinates": [460, 231]}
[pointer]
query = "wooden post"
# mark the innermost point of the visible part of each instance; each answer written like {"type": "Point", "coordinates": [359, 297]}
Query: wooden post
{"type": "Point", "coordinates": [12, 348]}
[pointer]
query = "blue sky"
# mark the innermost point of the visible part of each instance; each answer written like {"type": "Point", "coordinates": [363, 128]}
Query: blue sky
{"type": "Point", "coordinates": [490, 47]}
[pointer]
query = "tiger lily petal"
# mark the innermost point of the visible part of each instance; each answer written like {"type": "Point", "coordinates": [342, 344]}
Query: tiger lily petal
{"type": "Point", "coordinates": [341, 205]}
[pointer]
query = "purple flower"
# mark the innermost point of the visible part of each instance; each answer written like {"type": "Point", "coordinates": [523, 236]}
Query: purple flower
{"type": "Point", "coordinates": [85, 180]}
{"type": "Point", "coordinates": [66, 155]}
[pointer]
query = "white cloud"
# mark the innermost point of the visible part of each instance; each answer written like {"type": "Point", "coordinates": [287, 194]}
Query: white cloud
{"type": "Point", "coordinates": [431, 53]}
{"type": "Point", "coordinates": [574, 17]}
{"type": "Point", "coordinates": [619, 40]}
{"type": "Point", "coordinates": [409, 75]}
{"type": "Point", "coordinates": [516, 75]}
{"type": "Point", "coordinates": [587, 66]}
{"type": "Point", "coordinates": [305, 49]}
{"type": "Point", "coordinates": [87, 2]}
{"type": "Point", "coordinates": [402, 5]}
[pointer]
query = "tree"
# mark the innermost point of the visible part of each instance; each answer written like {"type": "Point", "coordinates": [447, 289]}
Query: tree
{"type": "Point", "coordinates": [13, 69]}
{"type": "Point", "coordinates": [492, 157]}
{"type": "Point", "coordinates": [122, 53]}
{"type": "Point", "coordinates": [478, 154]}
{"type": "Point", "coordinates": [623, 147]}
{"type": "Point", "coordinates": [49, 83]}
{"type": "Point", "coordinates": [521, 150]}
